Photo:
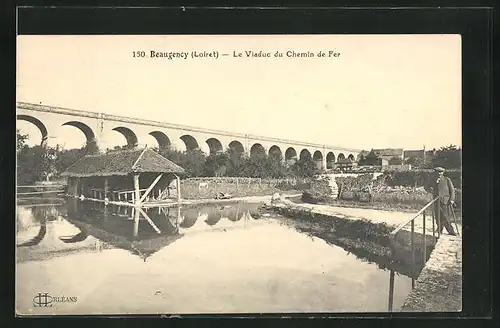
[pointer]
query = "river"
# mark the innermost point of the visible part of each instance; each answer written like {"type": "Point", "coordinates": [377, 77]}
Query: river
{"type": "Point", "coordinates": [87, 258]}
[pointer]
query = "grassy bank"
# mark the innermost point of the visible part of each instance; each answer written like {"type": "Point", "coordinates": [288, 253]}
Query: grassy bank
{"type": "Point", "coordinates": [386, 192]}
{"type": "Point", "coordinates": [209, 188]}
{"type": "Point", "coordinates": [376, 205]}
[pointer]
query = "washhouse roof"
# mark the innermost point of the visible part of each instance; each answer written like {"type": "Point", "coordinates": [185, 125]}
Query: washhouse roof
{"type": "Point", "coordinates": [123, 162]}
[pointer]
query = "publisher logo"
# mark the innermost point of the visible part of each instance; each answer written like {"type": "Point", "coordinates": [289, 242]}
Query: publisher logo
{"type": "Point", "coordinates": [46, 300]}
{"type": "Point", "coordinates": [42, 300]}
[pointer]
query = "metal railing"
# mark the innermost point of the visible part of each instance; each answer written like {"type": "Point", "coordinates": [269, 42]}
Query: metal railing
{"type": "Point", "coordinates": [411, 221]}
{"type": "Point", "coordinates": [45, 191]}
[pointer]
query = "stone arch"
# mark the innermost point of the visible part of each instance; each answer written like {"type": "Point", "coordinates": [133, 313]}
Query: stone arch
{"type": "Point", "coordinates": [190, 216]}
{"type": "Point", "coordinates": [234, 213]}
{"type": "Point", "coordinates": [257, 149]}
{"type": "Point", "coordinates": [214, 216]}
{"type": "Point", "coordinates": [162, 139]}
{"type": "Point", "coordinates": [351, 157]}
{"type": "Point", "coordinates": [318, 156]}
{"type": "Point", "coordinates": [87, 131]}
{"type": "Point", "coordinates": [190, 142]}
{"type": "Point", "coordinates": [39, 125]}
{"type": "Point", "coordinates": [38, 238]}
{"type": "Point", "coordinates": [275, 152]}
{"type": "Point", "coordinates": [236, 147]}
{"type": "Point", "coordinates": [290, 153]}
{"type": "Point", "coordinates": [341, 156]}
{"type": "Point", "coordinates": [305, 154]}
{"type": "Point", "coordinates": [129, 135]}
{"type": "Point", "coordinates": [330, 160]}
{"type": "Point", "coordinates": [215, 146]}
{"type": "Point", "coordinates": [318, 159]}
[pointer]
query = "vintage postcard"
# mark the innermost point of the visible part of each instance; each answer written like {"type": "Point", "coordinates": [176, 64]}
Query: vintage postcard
{"type": "Point", "coordinates": [209, 174]}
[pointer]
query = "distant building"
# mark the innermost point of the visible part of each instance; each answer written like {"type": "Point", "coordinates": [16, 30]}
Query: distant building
{"type": "Point", "coordinates": [346, 163]}
{"type": "Point", "coordinates": [362, 154]}
{"type": "Point", "coordinates": [420, 153]}
{"type": "Point", "coordinates": [381, 162]}
{"type": "Point", "coordinates": [374, 159]}
{"type": "Point", "coordinates": [413, 154]}
{"type": "Point", "coordinates": [389, 153]}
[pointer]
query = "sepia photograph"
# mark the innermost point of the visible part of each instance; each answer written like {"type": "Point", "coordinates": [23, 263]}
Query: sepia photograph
{"type": "Point", "coordinates": [236, 174]}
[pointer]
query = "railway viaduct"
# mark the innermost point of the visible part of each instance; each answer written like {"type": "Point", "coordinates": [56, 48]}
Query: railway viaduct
{"type": "Point", "coordinates": [102, 129]}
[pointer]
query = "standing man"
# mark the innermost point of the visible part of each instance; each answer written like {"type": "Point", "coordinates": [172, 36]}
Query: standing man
{"type": "Point", "coordinates": [443, 188]}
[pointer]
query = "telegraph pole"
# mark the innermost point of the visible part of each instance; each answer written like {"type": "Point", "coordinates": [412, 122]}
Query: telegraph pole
{"type": "Point", "coordinates": [424, 156]}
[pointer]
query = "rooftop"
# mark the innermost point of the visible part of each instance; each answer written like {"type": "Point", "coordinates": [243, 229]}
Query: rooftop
{"type": "Point", "coordinates": [389, 152]}
{"type": "Point", "coordinates": [122, 162]}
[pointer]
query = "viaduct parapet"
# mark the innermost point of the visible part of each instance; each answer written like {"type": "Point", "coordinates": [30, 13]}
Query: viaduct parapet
{"type": "Point", "coordinates": [103, 128]}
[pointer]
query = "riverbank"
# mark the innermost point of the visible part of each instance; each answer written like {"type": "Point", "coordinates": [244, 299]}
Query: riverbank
{"type": "Point", "coordinates": [439, 286]}
{"type": "Point", "coordinates": [377, 206]}
{"type": "Point", "coordinates": [439, 279]}
{"type": "Point", "coordinates": [246, 199]}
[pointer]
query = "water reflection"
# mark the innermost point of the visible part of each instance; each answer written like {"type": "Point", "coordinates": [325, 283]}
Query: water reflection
{"type": "Point", "coordinates": [391, 291]}
{"type": "Point", "coordinates": [393, 257]}
{"type": "Point", "coordinates": [141, 231]}
{"type": "Point", "coordinates": [40, 215]}
{"type": "Point", "coordinates": [189, 217]}
{"type": "Point", "coordinates": [81, 236]}
{"type": "Point", "coordinates": [300, 267]}
{"type": "Point", "coordinates": [213, 216]}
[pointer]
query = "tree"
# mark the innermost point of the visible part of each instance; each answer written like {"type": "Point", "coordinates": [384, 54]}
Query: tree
{"type": "Point", "coordinates": [449, 157]}
{"type": "Point", "coordinates": [415, 162]}
{"type": "Point", "coordinates": [237, 162]}
{"type": "Point", "coordinates": [68, 157]}
{"type": "Point", "coordinates": [370, 159]}
{"type": "Point", "coordinates": [254, 166]}
{"type": "Point", "coordinates": [123, 147]}
{"type": "Point", "coordinates": [28, 165]}
{"type": "Point", "coordinates": [171, 154]}
{"type": "Point", "coordinates": [20, 139]}
{"type": "Point", "coordinates": [91, 147]}
{"type": "Point", "coordinates": [36, 163]}
{"type": "Point", "coordinates": [304, 167]}
{"type": "Point", "coordinates": [395, 161]}
{"type": "Point", "coordinates": [193, 162]}
{"type": "Point", "coordinates": [217, 165]}
{"type": "Point", "coordinates": [275, 167]}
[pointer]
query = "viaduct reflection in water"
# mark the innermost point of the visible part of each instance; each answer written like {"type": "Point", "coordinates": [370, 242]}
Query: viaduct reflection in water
{"type": "Point", "coordinates": [143, 232]}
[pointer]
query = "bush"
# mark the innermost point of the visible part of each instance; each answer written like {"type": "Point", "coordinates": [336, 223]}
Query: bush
{"type": "Point", "coordinates": [420, 178]}
{"type": "Point", "coordinates": [314, 197]}
{"type": "Point", "coordinates": [402, 198]}
{"type": "Point", "coordinates": [354, 183]}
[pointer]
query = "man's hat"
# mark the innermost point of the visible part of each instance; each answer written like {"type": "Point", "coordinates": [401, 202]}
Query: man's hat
{"type": "Point", "coordinates": [439, 169]}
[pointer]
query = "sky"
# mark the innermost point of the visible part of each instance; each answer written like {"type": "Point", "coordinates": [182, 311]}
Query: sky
{"type": "Point", "coordinates": [382, 91]}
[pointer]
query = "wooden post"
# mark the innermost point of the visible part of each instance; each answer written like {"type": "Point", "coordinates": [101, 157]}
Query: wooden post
{"type": "Point", "coordinates": [178, 181]}
{"type": "Point", "coordinates": [136, 224]}
{"type": "Point", "coordinates": [178, 219]}
{"type": "Point", "coordinates": [137, 198]}
{"type": "Point", "coordinates": [425, 241]}
{"type": "Point", "coordinates": [146, 193]}
{"type": "Point", "coordinates": [145, 215]}
{"type": "Point", "coordinates": [106, 187]}
{"type": "Point", "coordinates": [71, 186]}
{"type": "Point", "coordinates": [391, 290]}
{"type": "Point", "coordinates": [75, 187]}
